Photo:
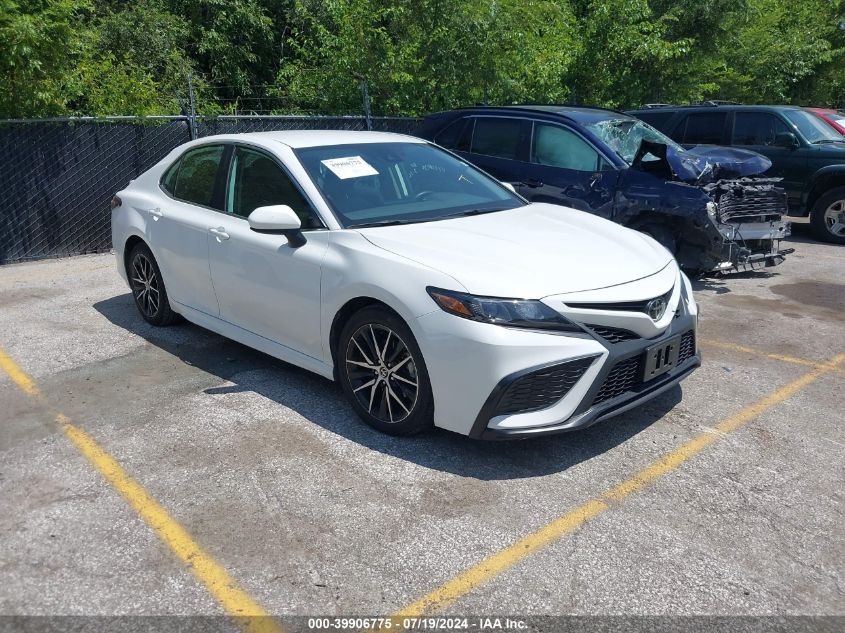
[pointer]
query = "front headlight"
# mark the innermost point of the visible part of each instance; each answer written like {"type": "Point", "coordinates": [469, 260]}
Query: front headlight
{"type": "Point", "coordinates": [523, 313]}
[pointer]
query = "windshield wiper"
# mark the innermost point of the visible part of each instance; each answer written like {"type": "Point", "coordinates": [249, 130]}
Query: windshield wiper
{"type": "Point", "coordinates": [476, 212]}
{"type": "Point", "coordinates": [382, 223]}
{"type": "Point", "coordinates": [420, 220]}
{"type": "Point", "coordinates": [396, 222]}
{"type": "Point", "coordinates": [828, 140]}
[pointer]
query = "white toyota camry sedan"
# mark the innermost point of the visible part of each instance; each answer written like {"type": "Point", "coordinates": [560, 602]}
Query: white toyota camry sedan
{"type": "Point", "coordinates": [433, 293]}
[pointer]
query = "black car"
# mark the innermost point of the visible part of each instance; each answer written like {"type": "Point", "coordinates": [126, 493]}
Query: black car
{"type": "Point", "coordinates": [702, 206]}
{"type": "Point", "coordinates": [806, 152]}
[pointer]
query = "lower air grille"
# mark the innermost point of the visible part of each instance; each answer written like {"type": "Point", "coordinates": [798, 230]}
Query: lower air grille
{"type": "Point", "coordinates": [541, 388]}
{"type": "Point", "coordinates": [623, 377]}
{"type": "Point", "coordinates": [613, 334]}
{"type": "Point", "coordinates": [626, 376]}
{"type": "Point", "coordinates": [687, 349]}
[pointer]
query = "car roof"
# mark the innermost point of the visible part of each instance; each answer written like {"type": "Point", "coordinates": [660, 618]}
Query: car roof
{"type": "Point", "coordinates": [715, 108]}
{"type": "Point", "coordinates": [297, 139]}
{"type": "Point", "coordinates": [579, 114]}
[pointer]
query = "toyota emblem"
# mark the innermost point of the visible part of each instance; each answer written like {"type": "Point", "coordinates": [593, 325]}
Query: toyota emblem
{"type": "Point", "coordinates": [655, 308]}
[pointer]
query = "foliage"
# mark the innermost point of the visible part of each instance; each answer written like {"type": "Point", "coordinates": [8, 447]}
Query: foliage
{"type": "Point", "coordinates": [41, 42]}
{"type": "Point", "coordinates": [96, 57]}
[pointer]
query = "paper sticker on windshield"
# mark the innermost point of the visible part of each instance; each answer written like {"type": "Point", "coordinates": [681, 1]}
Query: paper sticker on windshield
{"type": "Point", "coordinates": [350, 167]}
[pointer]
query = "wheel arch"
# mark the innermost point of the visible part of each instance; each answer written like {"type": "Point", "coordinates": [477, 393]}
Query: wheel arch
{"type": "Point", "coordinates": [823, 181]}
{"type": "Point", "coordinates": [131, 242]}
{"type": "Point", "coordinates": [343, 315]}
{"type": "Point", "coordinates": [656, 218]}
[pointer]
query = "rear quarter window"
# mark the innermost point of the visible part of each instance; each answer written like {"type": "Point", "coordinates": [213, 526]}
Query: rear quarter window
{"type": "Point", "coordinates": [168, 181]}
{"type": "Point", "coordinates": [657, 119]}
{"type": "Point", "coordinates": [449, 136]}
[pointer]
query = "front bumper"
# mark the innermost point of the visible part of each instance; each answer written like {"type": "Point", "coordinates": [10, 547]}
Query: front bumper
{"type": "Point", "coordinates": [753, 245]}
{"type": "Point", "coordinates": [589, 411]}
{"type": "Point", "coordinates": [471, 366]}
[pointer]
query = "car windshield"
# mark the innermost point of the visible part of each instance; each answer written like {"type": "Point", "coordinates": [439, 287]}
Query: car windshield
{"type": "Point", "coordinates": [370, 184]}
{"type": "Point", "coordinates": [813, 129]}
{"type": "Point", "coordinates": [624, 136]}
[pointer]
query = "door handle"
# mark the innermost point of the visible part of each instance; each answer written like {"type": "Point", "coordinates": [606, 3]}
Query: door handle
{"type": "Point", "coordinates": [219, 233]}
{"type": "Point", "coordinates": [532, 182]}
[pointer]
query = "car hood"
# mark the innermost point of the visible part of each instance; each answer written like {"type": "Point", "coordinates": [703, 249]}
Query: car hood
{"type": "Point", "coordinates": [834, 150]}
{"type": "Point", "coordinates": [528, 252]}
{"type": "Point", "coordinates": [728, 162]}
{"type": "Point", "coordinates": [705, 163]}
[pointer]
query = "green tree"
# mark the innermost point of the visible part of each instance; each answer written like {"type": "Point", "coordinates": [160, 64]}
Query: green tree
{"type": "Point", "coordinates": [41, 43]}
{"type": "Point", "coordinates": [423, 55]}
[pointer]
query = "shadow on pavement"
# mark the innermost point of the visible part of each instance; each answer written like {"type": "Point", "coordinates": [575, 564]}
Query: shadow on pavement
{"type": "Point", "coordinates": [322, 402]}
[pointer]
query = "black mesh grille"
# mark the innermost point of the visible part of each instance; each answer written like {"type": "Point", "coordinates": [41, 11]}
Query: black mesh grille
{"type": "Point", "coordinates": [687, 347]}
{"type": "Point", "coordinates": [623, 377]}
{"type": "Point", "coordinates": [613, 334]}
{"type": "Point", "coordinates": [541, 388]}
{"type": "Point", "coordinates": [626, 376]}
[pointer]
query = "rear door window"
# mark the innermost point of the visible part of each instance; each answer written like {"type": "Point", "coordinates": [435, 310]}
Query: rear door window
{"type": "Point", "coordinates": [197, 175]}
{"type": "Point", "coordinates": [704, 128]}
{"type": "Point", "coordinates": [499, 137]}
{"type": "Point", "coordinates": [756, 128]}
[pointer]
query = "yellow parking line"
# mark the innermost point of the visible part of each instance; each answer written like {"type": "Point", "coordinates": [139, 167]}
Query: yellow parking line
{"type": "Point", "coordinates": [225, 590]}
{"type": "Point", "coordinates": [756, 352]}
{"type": "Point", "coordinates": [18, 376]}
{"type": "Point", "coordinates": [494, 565]}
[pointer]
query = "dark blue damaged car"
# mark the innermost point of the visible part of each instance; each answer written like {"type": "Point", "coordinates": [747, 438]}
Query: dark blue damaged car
{"type": "Point", "coordinates": [708, 205]}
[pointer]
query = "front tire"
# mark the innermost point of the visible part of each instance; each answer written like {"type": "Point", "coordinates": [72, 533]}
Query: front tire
{"type": "Point", "coordinates": [827, 219]}
{"type": "Point", "coordinates": [383, 374]}
{"type": "Point", "coordinates": [662, 235]}
{"type": "Point", "coordinates": [148, 287]}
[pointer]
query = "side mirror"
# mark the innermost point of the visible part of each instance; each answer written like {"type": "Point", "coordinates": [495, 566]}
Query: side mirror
{"type": "Point", "coordinates": [786, 139]}
{"type": "Point", "coordinates": [278, 219]}
{"type": "Point", "coordinates": [509, 186]}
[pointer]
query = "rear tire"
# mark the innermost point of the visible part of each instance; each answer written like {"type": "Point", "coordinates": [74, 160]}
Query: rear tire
{"type": "Point", "coordinates": [148, 288]}
{"type": "Point", "coordinates": [827, 219]}
{"type": "Point", "coordinates": [383, 374]}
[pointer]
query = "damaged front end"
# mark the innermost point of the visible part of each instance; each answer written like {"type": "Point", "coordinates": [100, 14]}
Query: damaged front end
{"type": "Point", "coordinates": [746, 212]}
{"type": "Point", "coordinates": [749, 213]}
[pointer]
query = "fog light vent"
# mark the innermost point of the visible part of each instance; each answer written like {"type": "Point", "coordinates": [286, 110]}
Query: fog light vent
{"type": "Point", "coordinates": [541, 388]}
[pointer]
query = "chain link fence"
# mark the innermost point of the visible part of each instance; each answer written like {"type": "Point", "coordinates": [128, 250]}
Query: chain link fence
{"type": "Point", "coordinates": [57, 176]}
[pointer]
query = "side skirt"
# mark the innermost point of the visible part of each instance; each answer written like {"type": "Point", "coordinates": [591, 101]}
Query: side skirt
{"type": "Point", "coordinates": [250, 339]}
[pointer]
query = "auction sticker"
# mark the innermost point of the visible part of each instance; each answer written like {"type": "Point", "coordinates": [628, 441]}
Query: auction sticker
{"type": "Point", "coordinates": [350, 167]}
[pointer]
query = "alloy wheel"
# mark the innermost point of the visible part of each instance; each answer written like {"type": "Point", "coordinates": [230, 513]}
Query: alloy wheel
{"type": "Point", "coordinates": [382, 373]}
{"type": "Point", "coordinates": [145, 285]}
{"type": "Point", "coordinates": [834, 218]}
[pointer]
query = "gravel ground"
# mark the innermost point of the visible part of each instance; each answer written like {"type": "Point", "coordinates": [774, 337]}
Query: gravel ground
{"type": "Point", "coordinates": [314, 513]}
